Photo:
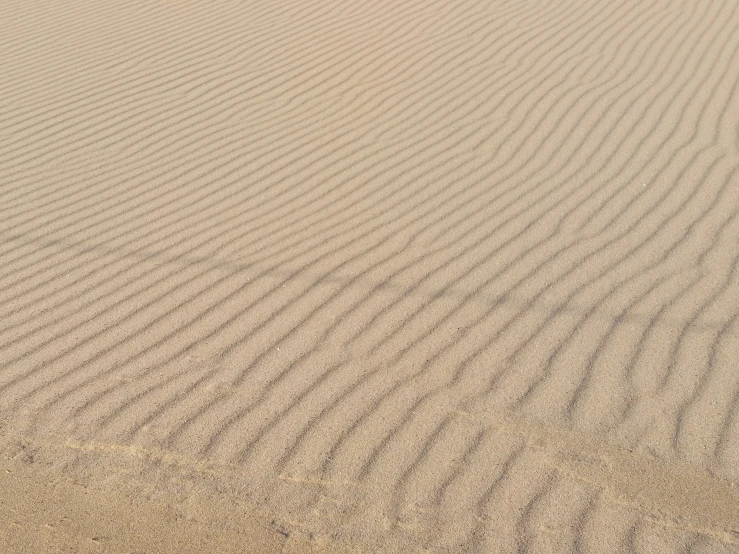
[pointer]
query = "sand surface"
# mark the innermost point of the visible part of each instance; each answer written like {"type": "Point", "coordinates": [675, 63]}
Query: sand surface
{"type": "Point", "coordinates": [446, 276]}
{"type": "Point", "coordinates": [42, 513]}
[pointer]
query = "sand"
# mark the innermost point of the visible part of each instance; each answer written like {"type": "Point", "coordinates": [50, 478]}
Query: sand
{"type": "Point", "coordinates": [446, 276]}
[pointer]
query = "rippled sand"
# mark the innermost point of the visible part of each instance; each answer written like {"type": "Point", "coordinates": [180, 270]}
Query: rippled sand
{"type": "Point", "coordinates": [454, 276]}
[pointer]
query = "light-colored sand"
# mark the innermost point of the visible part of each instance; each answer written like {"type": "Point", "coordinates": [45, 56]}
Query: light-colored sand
{"type": "Point", "coordinates": [400, 276]}
{"type": "Point", "coordinates": [46, 513]}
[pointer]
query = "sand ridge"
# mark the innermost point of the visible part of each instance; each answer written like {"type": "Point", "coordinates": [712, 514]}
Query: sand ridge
{"type": "Point", "coordinates": [446, 276]}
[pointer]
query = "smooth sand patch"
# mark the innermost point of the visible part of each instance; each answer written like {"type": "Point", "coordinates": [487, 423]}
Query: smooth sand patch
{"type": "Point", "coordinates": [46, 513]}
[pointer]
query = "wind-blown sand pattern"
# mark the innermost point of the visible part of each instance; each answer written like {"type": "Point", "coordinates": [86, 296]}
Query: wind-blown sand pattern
{"type": "Point", "coordinates": [453, 275]}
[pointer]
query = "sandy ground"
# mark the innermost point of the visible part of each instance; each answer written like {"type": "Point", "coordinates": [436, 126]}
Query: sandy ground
{"type": "Point", "coordinates": [46, 513]}
{"type": "Point", "coordinates": [447, 276]}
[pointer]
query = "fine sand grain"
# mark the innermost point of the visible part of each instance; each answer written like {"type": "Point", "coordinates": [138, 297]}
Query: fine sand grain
{"type": "Point", "coordinates": [448, 276]}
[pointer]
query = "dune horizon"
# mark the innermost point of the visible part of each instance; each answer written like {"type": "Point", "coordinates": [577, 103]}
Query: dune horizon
{"type": "Point", "coordinates": [443, 276]}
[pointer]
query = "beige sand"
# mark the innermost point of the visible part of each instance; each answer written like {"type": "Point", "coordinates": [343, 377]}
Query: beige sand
{"type": "Point", "coordinates": [395, 276]}
{"type": "Point", "coordinates": [43, 513]}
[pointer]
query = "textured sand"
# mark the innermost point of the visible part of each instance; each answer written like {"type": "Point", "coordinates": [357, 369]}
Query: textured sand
{"type": "Point", "coordinates": [395, 276]}
{"type": "Point", "coordinates": [42, 513]}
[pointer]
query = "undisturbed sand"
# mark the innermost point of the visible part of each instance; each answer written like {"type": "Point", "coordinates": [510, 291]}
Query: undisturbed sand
{"type": "Point", "coordinates": [449, 276]}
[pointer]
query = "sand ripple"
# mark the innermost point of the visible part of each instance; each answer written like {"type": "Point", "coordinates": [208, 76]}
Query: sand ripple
{"type": "Point", "coordinates": [460, 275]}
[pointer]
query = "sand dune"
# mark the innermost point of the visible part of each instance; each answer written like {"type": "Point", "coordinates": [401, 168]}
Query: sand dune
{"type": "Point", "coordinates": [440, 276]}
